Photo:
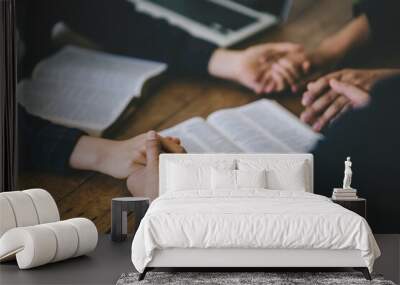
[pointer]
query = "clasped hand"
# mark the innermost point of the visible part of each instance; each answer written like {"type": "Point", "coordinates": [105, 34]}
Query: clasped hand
{"type": "Point", "coordinates": [268, 68]}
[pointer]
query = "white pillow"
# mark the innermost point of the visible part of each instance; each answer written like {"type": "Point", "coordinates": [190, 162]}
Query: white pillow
{"type": "Point", "coordinates": [189, 175]}
{"type": "Point", "coordinates": [282, 174]}
{"type": "Point", "coordinates": [251, 179]}
{"type": "Point", "coordinates": [183, 178]}
{"type": "Point", "coordinates": [237, 179]}
{"type": "Point", "coordinates": [223, 179]}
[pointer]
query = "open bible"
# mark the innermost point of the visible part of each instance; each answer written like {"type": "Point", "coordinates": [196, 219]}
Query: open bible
{"type": "Point", "coordinates": [84, 88]}
{"type": "Point", "coordinates": [263, 126]}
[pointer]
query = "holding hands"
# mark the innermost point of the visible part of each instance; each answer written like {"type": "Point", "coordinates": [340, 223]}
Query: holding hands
{"type": "Point", "coordinates": [264, 68]}
{"type": "Point", "coordinates": [334, 93]}
{"type": "Point", "coordinates": [134, 159]}
{"type": "Point", "coordinates": [274, 67]}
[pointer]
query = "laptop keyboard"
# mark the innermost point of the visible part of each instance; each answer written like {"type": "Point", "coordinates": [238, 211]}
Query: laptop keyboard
{"type": "Point", "coordinates": [217, 17]}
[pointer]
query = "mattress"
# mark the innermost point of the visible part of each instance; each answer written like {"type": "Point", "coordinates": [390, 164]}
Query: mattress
{"type": "Point", "coordinates": [251, 219]}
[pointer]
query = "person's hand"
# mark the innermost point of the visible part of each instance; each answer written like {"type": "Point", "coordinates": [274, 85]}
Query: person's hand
{"type": "Point", "coordinates": [120, 158]}
{"type": "Point", "coordinates": [124, 159]}
{"type": "Point", "coordinates": [357, 97]}
{"type": "Point", "coordinates": [284, 70]}
{"type": "Point", "coordinates": [143, 180]}
{"type": "Point", "coordinates": [252, 67]}
{"type": "Point", "coordinates": [323, 103]}
{"type": "Point", "coordinates": [348, 96]}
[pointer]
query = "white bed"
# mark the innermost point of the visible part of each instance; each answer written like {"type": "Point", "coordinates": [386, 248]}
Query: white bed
{"type": "Point", "coordinates": [280, 225]}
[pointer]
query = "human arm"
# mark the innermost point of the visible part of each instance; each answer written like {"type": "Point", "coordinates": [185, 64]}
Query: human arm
{"type": "Point", "coordinates": [334, 48]}
{"type": "Point", "coordinates": [375, 22]}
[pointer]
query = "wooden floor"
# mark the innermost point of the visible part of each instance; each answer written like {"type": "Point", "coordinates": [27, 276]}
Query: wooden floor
{"type": "Point", "coordinates": [89, 194]}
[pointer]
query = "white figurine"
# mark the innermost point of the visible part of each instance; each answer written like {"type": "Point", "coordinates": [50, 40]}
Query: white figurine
{"type": "Point", "coordinates": [348, 173]}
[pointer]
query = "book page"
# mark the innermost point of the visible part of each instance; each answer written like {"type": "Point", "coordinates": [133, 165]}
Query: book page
{"type": "Point", "coordinates": [282, 124]}
{"type": "Point", "coordinates": [246, 135]}
{"type": "Point", "coordinates": [89, 109]}
{"type": "Point", "coordinates": [264, 126]}
{"type": "Point", "coordinates": [85, 89]}
{"type": "Point", "coordinates": [98, 69]}
{"type": "Point", "coordinates": [197, 136]}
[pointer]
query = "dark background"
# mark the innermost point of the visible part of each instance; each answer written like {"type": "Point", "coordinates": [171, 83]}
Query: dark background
{"type": "Point", "coordinates": [8, 73]}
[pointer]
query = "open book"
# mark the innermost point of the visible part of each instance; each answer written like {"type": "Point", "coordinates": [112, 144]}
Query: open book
{"type": "Point", "coordinates": [263, 126]}
{"type": "Point", "coordinates": [85, 89]}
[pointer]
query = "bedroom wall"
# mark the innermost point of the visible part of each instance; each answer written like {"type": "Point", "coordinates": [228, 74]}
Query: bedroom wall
{"type": "Point", "coordinates": [389, 262]}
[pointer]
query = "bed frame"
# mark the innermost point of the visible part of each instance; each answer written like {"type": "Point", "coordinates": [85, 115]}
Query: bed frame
{"type": "Point", "coordinates": [246, 259]}
{"type": "Point", "coordinates": [242, 259]}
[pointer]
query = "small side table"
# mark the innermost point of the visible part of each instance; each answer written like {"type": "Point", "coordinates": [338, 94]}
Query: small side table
{"type": "Point", "coordinates": [358, 206]}
{"type": "Point", "coordinates": [120, 207]}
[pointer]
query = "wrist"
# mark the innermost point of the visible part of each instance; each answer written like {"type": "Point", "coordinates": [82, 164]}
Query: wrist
{"type": "Point", "coordinates": [224, 64]}
{"type": "Point", "coordinates": [90, 153]}
{"type": "Point", "coordinates": [327, 55]}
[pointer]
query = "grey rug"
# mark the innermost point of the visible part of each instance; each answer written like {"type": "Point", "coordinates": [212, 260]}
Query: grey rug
{"type": "Point", "coordinates": [232, 278]}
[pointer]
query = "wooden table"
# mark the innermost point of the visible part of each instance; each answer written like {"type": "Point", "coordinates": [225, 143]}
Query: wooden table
{"type": "Point", "coordinates": [89, 194]}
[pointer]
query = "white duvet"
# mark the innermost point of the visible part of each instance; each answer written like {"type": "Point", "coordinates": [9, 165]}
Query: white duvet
{"type": "Point", "coordinates": [250, 219]}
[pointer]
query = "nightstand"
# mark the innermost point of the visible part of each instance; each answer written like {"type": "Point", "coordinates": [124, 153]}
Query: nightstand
{"type": "Point", "coordinates": [120, 208]}
{"type": "Point", "coordinates": [358, 205]}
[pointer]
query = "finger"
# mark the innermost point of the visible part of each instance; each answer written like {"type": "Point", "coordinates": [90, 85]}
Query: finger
{"type": "Point", "coordinates": [306, 66]}
{"type": "Point", "coordinates": [294, 71]}
{"type": "Point", "coordinates": [174, 139]}
{"type": "Point", "coordinates": [290, 67]}
{"type": "Point", "coordinates": [278, 81]}
{"type": "Point", "coordinates": [285, 74]}
{"type": "Point", "coordinates": [333, 110]}
{"type": "Point", "coordinates": [170, 146]}
{"type": "Point", "coordinates": [177, 140]}
{"type": "Point", "coordinates": [153, 147]}
{"type": "Point", "coordinates": [270, 55]}
{"type": "Point", "coordinates": [253, 81]}
{"type": "Point", "coordinates": [309, 116]}
{"type": "Point", "coordinates": [314, 90]}
{"type": "Point", "coordinates": [319, 85]}
{"type": "Point", "coordinates": [266, 82]}
{"type": "Point", "coordinates": [270, 86]}
{"type": "Point", "coordinates": [263, 69]}
{"type": "Point", "coordinates": [140, 157]}
{"type": "Point", "coordinates": [324, 101]}
{"type": "Point", "coordinates": [358, 97]}
{"type": "Point", "coordinates": [313, 111]}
